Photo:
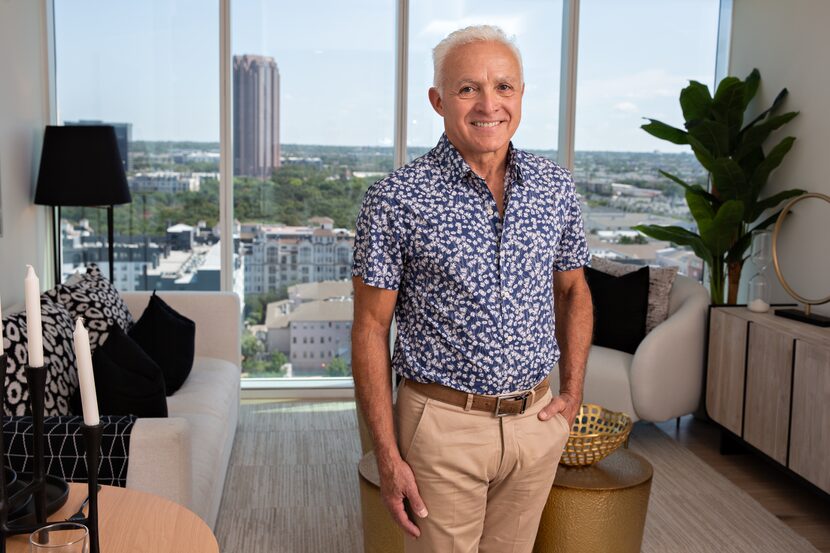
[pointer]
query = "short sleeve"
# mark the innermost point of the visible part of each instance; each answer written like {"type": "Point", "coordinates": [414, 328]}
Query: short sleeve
{"type": "Point", "coordinates": [572, 251]}
{"type": "Point", "coordinates": [377, 249]}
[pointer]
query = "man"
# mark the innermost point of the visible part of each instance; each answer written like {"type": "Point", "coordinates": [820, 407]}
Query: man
{"type": "Point", "coordinates": [474, 247]}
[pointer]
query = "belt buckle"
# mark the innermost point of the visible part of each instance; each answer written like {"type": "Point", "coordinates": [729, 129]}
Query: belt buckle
{"type": "Point", "coordinates": [519, 397]}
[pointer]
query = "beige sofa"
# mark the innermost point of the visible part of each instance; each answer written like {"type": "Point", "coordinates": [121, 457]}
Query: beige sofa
{"type": "Point", "coordinates": [664, 377]}
{"type": "Point", "coordinates": [185, 457]}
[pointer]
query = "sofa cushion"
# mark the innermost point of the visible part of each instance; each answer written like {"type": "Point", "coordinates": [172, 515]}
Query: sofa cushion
{"type": "Point", "coordinates": [169, 338]}
{"type": "Point", "coordinates": [620, 305]}
{"type": "Point", "coordinates": [58, 356]}
{"type": "Point", "coordinates": [209, 401]}
{"type": "Point", "coordinates": [95, 299]}
{"type": "Point", "coordinates": [127, 380]}
{"type": "Point", "coordinates": [660, 281]}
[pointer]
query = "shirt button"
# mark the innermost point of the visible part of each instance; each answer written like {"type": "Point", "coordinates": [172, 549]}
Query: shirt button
{"type": "Point", "coordinates": [505, 294]}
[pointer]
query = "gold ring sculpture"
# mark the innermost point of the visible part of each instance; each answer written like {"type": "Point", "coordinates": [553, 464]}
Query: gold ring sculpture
{"type": "Point", "coordinates": [806, 315]}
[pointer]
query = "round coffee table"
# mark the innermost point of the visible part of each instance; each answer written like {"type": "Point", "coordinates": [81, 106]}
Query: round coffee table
{"type": "Point", "coordinates": [135, 522]}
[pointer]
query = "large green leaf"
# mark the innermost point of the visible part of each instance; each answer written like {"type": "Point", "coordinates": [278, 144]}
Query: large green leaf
{"type": "Point", "coordinates": [751, 82]}
{"type": "Point", "coordinates": [665, 132]}
{"type": "Point", "coordinates": [728, 105]}
{"type": "Point", "coordinates": [728, 179]}
{"type": "Point", "coordinates": [713, 135]}
{"type": "Point", "coordinates": [752, 137]}
{"type": "Point", "coordinates": [771, 202]}
{"type": "Point", "coordinates": [736, 252]}
{"type": "Point", "coordinates": [690, 187]}
{"type": "Point", "coordinates": [772, 109]}
{"type": "Point", "coordinates": [770, 163]}
{"type": "Point", "coordinates": [695, 101]}
{"type": "Point", "coordinates": [701, 209]}
{"type": "Point", "coordinates": [678, 235]}
{"type": "Point", "coordinates": [703, 155]}
{"type": "Point", "coordinates": [721, 232]}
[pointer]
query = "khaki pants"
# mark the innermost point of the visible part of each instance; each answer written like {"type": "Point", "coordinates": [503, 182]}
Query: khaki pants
{"type": "Point", "coordinates": [484, 479]}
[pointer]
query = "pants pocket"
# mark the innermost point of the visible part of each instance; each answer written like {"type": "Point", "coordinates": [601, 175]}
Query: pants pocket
{"type": "Point", "coordinates": [410, 411]}
{"type": "Point", "coordinates": [565, 426]}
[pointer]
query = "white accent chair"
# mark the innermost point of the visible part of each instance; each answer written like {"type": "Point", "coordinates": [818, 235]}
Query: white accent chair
{"type": "Point", "coordinates": [664, 378]}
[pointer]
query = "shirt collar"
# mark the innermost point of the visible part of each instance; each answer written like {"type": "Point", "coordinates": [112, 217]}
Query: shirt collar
{"type": "Point", "coordinates": [451, 160]}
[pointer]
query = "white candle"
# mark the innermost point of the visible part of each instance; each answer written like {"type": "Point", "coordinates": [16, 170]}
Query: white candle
{"type": "Point", "coordinates": [31, 289]}
{"type": "Point", "coordinates": [86, 377]}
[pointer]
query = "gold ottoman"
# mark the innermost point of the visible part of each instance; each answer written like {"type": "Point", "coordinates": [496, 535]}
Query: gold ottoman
{"type": "Point", "coordinates": [380, 533]}
{"type": "Point", "coordinates": [597, 509]}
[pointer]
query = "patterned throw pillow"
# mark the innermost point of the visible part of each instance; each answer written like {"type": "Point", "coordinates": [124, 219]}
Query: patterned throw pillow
{"type": "Point", "coordinates": [95, 299]}
{"type": "Point", "coordinates": [64, 447]}
{"type": "Point", "coordinates": [58, 355]}
{"type": "Point", "coordinates": [659, 286]}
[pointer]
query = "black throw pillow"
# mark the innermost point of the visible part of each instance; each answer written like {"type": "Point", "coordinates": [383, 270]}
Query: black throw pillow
{"type": "Point", "coordinates": [169, 338]}
{"type": "Point", "coordinates": [127, 380]}
{"type": "Point", "coordinates": [620, 308]}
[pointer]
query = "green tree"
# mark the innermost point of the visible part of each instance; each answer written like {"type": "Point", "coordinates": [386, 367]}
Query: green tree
{"type": "Point", "coordinates": [276, 361]}
{"type": "Point", "coordinates": [338, 367]}
{"type": "Point", "coordinates": [252, 347]}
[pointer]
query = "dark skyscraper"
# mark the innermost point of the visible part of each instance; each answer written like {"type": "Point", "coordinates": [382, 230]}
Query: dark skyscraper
{"type": "Point", "coordinates": [256, 115]}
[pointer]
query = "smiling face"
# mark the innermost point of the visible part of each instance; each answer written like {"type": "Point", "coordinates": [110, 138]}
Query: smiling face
{"type": "Point", "coordinates": [480, 98]}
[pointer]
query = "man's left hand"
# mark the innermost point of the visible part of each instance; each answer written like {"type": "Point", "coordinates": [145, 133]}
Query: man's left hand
{"type": "Point", "coordinates": [566, 403]}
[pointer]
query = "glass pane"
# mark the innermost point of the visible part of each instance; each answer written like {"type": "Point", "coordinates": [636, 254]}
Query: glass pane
{"type": "Point", "coordinates": [150, 69]}
{"type": "Point", "coordinates": [313, 124]}
{"type": "Point", "coordinates": [537, 26]}
{"type": "Point", "coordinates": [634, 58]}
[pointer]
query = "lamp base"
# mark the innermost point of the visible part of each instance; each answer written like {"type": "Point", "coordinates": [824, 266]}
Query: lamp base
{"type": "Point", "coordinates": [798, 315]}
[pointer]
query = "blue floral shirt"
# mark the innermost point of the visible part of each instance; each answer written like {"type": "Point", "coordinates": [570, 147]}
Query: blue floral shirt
{"type": "Point", "coordinates": [475, 292]}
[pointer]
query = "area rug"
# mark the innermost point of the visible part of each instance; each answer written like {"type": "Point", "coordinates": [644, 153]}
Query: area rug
{"type": "Point", "coordinates": [292, 488]}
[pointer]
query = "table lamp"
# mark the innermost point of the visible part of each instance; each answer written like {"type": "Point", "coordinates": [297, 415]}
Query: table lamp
{"type": "Point", "coordinates": [80, 166]}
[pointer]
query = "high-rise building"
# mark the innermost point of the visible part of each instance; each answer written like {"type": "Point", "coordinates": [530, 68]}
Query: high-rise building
{"type": "Point", "coordinates": [256, 115]}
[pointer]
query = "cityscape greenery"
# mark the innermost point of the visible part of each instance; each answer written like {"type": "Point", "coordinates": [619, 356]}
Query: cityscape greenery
{"type": "Point", "coordinates": [738, 169]}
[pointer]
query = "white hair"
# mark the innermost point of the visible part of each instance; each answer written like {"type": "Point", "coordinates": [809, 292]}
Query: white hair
{"type": "Point", "coordinates": [467, 35]}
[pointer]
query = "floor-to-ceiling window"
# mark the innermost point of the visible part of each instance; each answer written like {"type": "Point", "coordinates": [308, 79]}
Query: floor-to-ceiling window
{"type": "Point", "coordinates": [313, 122]}
{"type": "Point", "coordinates": [634, 58]}
{"type": "Point", "coordinates": [313, 111]}
{"type": "Point", "coordinates": [149, 69]}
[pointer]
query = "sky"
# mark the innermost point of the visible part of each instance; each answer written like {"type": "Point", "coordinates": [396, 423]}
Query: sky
{"type": "Point", "coordinates": [155, 64]}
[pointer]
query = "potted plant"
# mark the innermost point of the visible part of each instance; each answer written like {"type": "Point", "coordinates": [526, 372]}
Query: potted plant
{"type": "Point", "coordinates": [738, 170]}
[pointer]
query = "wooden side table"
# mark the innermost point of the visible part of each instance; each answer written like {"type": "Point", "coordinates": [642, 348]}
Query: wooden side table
{"type": "Point", "coordinates": [597, 508]}
{"type": "Point", "coordinates": [135, 522]}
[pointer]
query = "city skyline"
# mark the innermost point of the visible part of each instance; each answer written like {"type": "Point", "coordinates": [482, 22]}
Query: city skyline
{"type": "Point", "coordinates": [338, 80]}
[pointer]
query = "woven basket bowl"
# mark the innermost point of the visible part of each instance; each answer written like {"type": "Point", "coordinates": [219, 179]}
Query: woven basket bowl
{"type": "Point", "coordinates": [596, 433]}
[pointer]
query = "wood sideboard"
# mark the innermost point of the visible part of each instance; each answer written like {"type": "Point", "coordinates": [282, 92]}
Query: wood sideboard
{"type": "Point", "coordinates": [768, 382]}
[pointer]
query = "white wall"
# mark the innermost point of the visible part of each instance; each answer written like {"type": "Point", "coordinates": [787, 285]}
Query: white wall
{"type": "Point", "coordinates": [789, 44]}
{"type": "Point", "coordinates": [24, 111]}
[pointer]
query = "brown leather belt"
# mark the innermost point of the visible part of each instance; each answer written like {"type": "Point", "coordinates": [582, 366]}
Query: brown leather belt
{"type": "Point", "coordinates": [500, 406]}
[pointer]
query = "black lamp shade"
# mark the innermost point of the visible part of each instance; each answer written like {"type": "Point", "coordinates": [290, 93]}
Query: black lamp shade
{"type": "Point", "coordinates": [81, 166]}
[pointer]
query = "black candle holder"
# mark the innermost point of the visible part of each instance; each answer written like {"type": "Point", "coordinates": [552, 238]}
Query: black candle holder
{"type": "Point", "coordinates": [36, 488]}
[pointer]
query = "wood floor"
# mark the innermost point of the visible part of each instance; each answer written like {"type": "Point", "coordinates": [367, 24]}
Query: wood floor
{"type": "Point", "coordinates": [800, 507]}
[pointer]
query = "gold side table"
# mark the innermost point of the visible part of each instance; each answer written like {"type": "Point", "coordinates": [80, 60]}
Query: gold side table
{"type": "Point", "coordinates": [380, 533]}
{"type": "Point", "coordinates": [597, 508]}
